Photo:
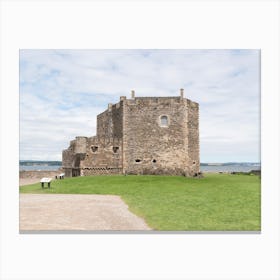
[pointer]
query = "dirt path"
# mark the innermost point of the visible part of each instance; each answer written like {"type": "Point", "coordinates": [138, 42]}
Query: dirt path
{"type": "Point", "coordinates": [76, 212]}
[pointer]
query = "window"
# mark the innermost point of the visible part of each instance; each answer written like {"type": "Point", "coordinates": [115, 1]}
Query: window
{"type": "Point", "coordinates": [115, 150]}
{"type": "Point", "coordinates": [138, 160]}
{"type": "Point", "coordinates": [163, 121]}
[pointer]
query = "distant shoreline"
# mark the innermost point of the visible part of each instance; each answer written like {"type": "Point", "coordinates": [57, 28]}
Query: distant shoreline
{"type": "Point", "coordinates": [203, 168]}
{"type": "Point", "coordinates": [59, 163]}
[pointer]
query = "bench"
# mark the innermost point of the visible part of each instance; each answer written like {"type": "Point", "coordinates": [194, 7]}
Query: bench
{"type": "Point", "coordinates": [60, 176]}
{"type": "Point", "coordinates": [46, 180]}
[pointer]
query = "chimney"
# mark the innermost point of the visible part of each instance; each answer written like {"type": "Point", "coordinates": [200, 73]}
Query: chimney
{"type": "Point", "coordinates": [182, 93]}
{"type": "Point", "coordinates": [132, 94]}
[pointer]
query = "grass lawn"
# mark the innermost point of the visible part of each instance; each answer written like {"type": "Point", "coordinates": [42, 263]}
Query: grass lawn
{"type": "Point", "coordinates": [215, 202]}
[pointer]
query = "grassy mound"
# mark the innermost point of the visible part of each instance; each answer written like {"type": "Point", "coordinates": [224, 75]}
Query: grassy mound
{"type": "Point", "coordinates": [215, 202]}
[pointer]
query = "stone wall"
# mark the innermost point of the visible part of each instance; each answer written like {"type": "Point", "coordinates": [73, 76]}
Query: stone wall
{"type": "Point", "coordinates": [193, 137]}
{"type": "Point", "coordinates": [102, 154]}
{"type": "Point", "coordinates": [30, 174]}
{"type": "Point", "coordinates": [151, 147]}
{"type": "Point", "coordinates": [71, 160]}
{"type": "Point", "coordinates": [68, 157]}
{"type": "Point", "coordinates": [80, 145]}
{"type": "Point", "coordinates": [109, 123]}
{"type": "Point", "coordinates": [88, 171]}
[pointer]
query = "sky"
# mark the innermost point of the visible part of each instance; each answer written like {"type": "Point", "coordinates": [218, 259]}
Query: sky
{"type": "Point", "coordinates": [62, 92]}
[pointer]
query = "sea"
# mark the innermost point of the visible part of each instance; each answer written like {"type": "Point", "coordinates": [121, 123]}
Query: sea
{"type": "Point", "coordinates": [39, 167]}
{"type": "Point", "coordinates": [203, 168]}
{"type": "Point", "coordinates": [229, 168]}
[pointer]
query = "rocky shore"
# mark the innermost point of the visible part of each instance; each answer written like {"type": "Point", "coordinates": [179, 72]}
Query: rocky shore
{"type": "Point", "coordinates": [34, 176]}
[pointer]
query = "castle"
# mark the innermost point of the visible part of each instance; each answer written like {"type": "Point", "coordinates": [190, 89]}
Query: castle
{"type": "Point", "coordinates": [140, 135]}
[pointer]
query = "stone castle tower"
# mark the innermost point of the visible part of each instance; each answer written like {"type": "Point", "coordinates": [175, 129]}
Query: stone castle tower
{"type": "Point", "coordinates": [140, 135]}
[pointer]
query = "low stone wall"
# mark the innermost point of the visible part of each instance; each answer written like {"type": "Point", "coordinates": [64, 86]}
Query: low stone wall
{"type": "Point", "coordinates": [100, 171]}
{"type": "Point", "coordinates": [31, 174]}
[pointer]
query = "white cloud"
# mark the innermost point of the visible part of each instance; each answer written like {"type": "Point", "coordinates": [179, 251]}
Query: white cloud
{"type": "Point", "coordinates": [62, 91]}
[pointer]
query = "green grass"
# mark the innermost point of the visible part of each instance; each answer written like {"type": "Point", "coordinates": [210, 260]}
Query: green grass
{"type": "Point", "coordinates": [215, 202]}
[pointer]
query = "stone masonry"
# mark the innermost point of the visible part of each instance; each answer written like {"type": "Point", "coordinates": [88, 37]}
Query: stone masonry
{"type": "Point", "coordinates": [140, 135]}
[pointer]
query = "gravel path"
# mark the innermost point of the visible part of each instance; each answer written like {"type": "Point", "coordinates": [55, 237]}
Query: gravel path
{"type": "Point", "coordinates": [76, 212]}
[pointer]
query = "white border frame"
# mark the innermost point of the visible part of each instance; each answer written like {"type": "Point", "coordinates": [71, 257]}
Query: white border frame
{"type": "Point", "coordinates": [156, 24]}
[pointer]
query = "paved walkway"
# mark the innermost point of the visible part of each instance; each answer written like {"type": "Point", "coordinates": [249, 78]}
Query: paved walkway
{"type": "Point", "coordinates": [76, 212]}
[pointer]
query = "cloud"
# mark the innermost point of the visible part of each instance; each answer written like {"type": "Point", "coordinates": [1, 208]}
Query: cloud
{"type": "Point", "coordinates": [62, 91]}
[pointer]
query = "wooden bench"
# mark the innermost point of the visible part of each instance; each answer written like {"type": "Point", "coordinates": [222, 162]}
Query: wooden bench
{"type": "Point", "coordinates": [46, 180]}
